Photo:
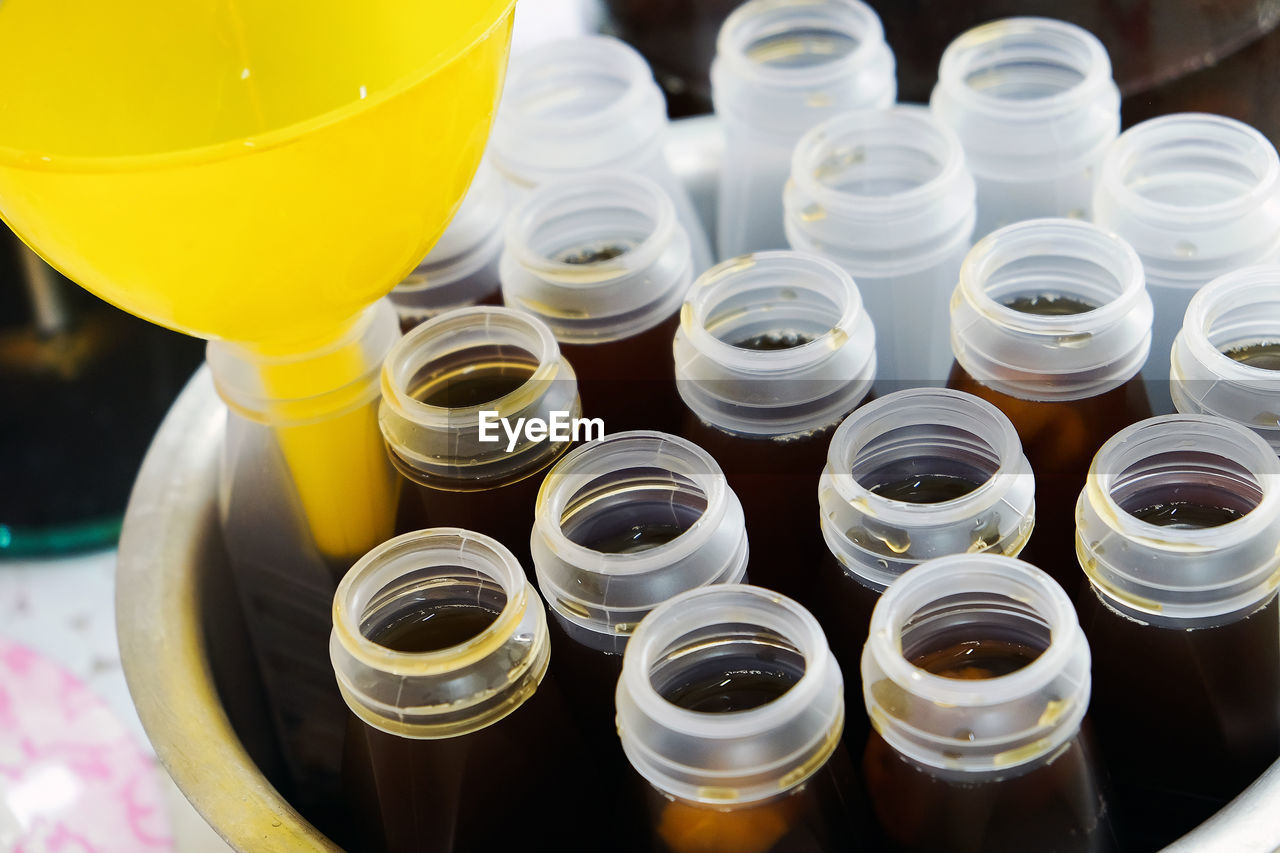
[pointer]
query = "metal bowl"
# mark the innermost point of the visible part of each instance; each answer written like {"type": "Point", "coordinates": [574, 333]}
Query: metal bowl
{"type": "Point", "coordinates": [183, 647]}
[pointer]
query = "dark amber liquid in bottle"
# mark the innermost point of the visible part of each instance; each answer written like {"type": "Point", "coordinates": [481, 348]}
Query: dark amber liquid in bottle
{"type": "Point", "coordinates": [630, 383]}
{"type": "Point", "coordinates": [816, 817]}
{"type": "Point", "coordinates": [492, 789]}
{"type": "Point", "coordinates": [1262, 355]}
{"type": "Point", "coordinates": [1060, 439]}
{"type": "Point", "coordinates": [1054, 806]}
{"type": "Point", "coordinates": [503, 510]}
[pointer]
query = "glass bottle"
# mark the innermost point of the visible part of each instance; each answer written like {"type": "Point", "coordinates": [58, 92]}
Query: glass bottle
{"type": "Point", "coordinates": [773, 350]}
{"type": "Point", "coordinates": [976, 679]}
{"type": "Point", "coordinates": [779, 69]}
{"type": "Point", "coordinates": [462, 268]}
{"type": "Point", "coordinates": [916, 475]}
{"type": "Point", "coordinates": [1197, 196]}
{"type": "Point", "coordinates": [1179, 536]}
{"type": "Point", "coordinates": [1035, 108]}
{"type": "Point", "coordinates": [453, 391]}
{"type": "Point", "coordinates": [285, 565]}
{"type": "Point", "coordinates": [458, 739]}
{"type": "Point", "coordinates": [1225, 359]}
{"type": "Point", "coordinates": [601, 258]}
{"type": "Point", "coordinates": [730, 707]}
{"type": "Point", "coordinates": [585, 104]}
{"type": "Point", "coordinates": [886, 195]}
{"type": "Point", "coordinates": [622, 524]}
{"type": "Point", "coordinates": [1051, 323]}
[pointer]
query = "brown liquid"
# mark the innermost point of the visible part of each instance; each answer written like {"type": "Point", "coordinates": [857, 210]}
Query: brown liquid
{"type": "Point", "coordinates": [1186, 515]}
{"type": "Point", "coordinates": [1049, 305]}
{"type": "Point", "coordinates": [1186, 719]}
{"type": "Point", "coordinates": [492, 789]}
{"type": "Point", "coordinates": [772, 341]}
{"type": "Point", "coordinates": [1058, 806]}
{"type": "Point", "coordinates": [926, 488]}
{"type": "Point", "coordinates": [1263, 355]}
{"type": "Point", "coordinates": [595, 254]}
{"type": "Point", "coordinates": [972, 660]}
{"type": "Point", "coordinates": [472, 377]}
{"type": "Point", "coordinates": [630, 383]}
{"type": "Point", "coordinates": [777, 482]}
{"type": "Point", "coordinates": [1060, 439]}
{"type": "Point", "coordinates": [818, 816]}
{"type": "Point", "coordinates": [434, 629]}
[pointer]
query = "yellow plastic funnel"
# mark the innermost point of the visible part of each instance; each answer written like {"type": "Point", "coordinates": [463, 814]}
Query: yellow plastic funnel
{"type": "Point", "coordinates": [256, 171]}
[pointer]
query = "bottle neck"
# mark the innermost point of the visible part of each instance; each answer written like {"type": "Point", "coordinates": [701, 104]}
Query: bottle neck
{"type": "Point", "coordinates": [1196, 196]}
{"type": "Point", "coordinates": [882, 192]}
{"type": "Point", "coordinates": [597, 257]}
{"type": "Point", "coordinates": [324, 381]}
{"type": "Point", "coordinates": [448, 684]}
{"type": "Point", "coordinates": [1179, 523]}
{"type": "Point", "coordinates": [1030, 98]}
{"type": "Point", "coordinates": [1011, 702]}
{"type": "Point", "coordinates": [626, 522]}
{"type": "Point", "coordinates": [458, 390]}
{"type": "Point", "coordinates": [724, 749]}
{"type": "Point", "coordinates": [774, 344]}
{"type": "Point", "coordinates": [1221, 362]}
{"type": "Point", "coordinates": [782, 67]}
{"type": "Point", "coordinates": [1051, 309]}
{"type": "Point", "coordinates": [921, 474]}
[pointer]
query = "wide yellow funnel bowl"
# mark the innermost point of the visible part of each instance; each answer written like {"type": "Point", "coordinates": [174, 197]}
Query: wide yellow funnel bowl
{"type": "Point", "coordinates": [255, 170]}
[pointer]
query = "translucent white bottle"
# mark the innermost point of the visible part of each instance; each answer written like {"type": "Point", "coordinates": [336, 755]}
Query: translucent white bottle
{"type": "Point", "coordinates": [583, 104]}
{"type": "Point", "coordinates": [462, 267]}
{"type": "Point", "coordinates": [1035, 107]}
{"type": "Point", "coordinates": [602, 259]}
{"type": "Point", "coordinates": [886, 195]}
{"type": "Point", "coordinates": [731, 707]}
{"type": "Point", "coordinates": [976, 679]}
{"type": "Point", "coordinates": [1197, 196]}
{"type": "Point", "coordinates": [781, 67]}
{"type": "Point", "coordinates": [1226, 358]}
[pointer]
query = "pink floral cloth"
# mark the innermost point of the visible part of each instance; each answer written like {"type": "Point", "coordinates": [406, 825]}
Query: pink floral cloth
{"type": "Point", "coordinates": [72, 780]}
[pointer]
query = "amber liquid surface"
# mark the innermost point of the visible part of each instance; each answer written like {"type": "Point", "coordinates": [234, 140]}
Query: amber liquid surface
{"type": "Point", "coordinates": [1055, 806]}
{"type": "Point", "coordinates": [630, 383]}
{"type": "Point", "coordinates": [1186, 719]}
{"type": "Point", "coordinates": [926, 488]}
{"type": "Point", "coordinates": [488, 790]}
{"type": "Point", "coordinates": [1060, 439]}
{"type": "Point", "coordinates": [818, 816]}
{"type": "Point", "coordinates": [1262, 355]}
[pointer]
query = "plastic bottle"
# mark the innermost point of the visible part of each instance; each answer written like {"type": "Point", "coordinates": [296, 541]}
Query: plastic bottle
{"type": "Point", "coordinates": [585, 104]}
{"type": "Point", "coordinates": [1051, 323]}
{"type": "Point", "coordinates": [454, 390]}
{"type": "Point", "coordinates": [1197, 196]}
{"type": "Point", "coordinates": [285, 577]}
{"type": "Point", "coordinates": [1179, 536]}
{"type": "Point", "coordinates": [441, 651]}
{"type": "Point", "coordinates": [1035, 108]}
{"type": "Point", "coordinates": [730, 707]}
{"type": "Point", "coordinates": [462, 268]}
{"type": "Point", "coordinates": [601, 258]}
{"type": "Point", "coordinates": [886, 195]}
{"type": "Point", "coordinates": [1224, 360]}
{"type": "Point", "coordinates": [976, 678]}
{"type": "Point", "coordinates": [916, 475]}
{"type": "Point", "coordinates": [782, 66]}
{"type": "Point", "coordinates": [773, 350]}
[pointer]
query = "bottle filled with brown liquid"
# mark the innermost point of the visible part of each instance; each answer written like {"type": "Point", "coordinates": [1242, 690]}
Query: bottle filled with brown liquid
{"type": "Point", "coordinates": [458, 739]}
{"type": "Point", "coordinates": [305, 488]}
{"type": "Point", "coordinates": [730, 707]}
{"type": "Point", "coordinates": [1179, 535]}
{"type": "Point", "coordinates": [774, 350]}
{"type": "Point", "coordinates": [477, 404]}
{"type": "Point", "coordinates": [915, 475]}
{"type": "Point", "coordinates": [1226, 359]}
{"type": "Point", "coordinates": [601, 258]}
{"type": "Point", "coordinates": [1052, 324]}
{"type": "Point", "coordinates": [462, 267]}
{"type": "Point", "coordinates": [623, 524]}
{"type": "Point", "coordinates": [976, 679]}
